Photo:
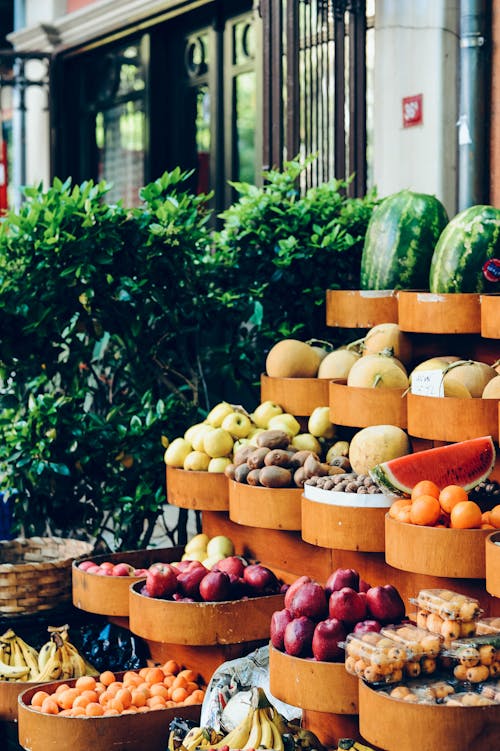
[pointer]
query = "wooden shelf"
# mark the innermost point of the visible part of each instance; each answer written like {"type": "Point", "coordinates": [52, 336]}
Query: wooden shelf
{"type": "Point", "coordinates": [359, 407]}
{"type": "Point", "coordinates": [343, 527]}
{"type": "Point", "coordinates": [490, 316]}
{"type": "Point", "coordinates": [299, 396]}
{"type": "Point", "coordinates": [450, 419]}
{"type": "Point", "coordinates": [493, 563]}
{"type": "Point", "coordinates": [201, 491]}
{"type": "Point", "coordinates": [270, 508]}
{"type": "Point", "coordinates": [357, 309]}
{"type": "Point", "coordinates": [430, 313]}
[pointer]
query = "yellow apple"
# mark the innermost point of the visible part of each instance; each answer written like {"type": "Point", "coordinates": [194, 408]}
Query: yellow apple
{"type": "Point", "coordinates": [197, 461]}
{"type": "Point", "coordinates": [198, 441]}
{"type": "Point", "coordinates": [218, 413]}
{"type": "Point", "coordinates": [252, 436]}
{"type": "Point", "coordinates": [263, 413]}
{"type": "Point", "coordinates": [220, 545]}
{"type": "Point", "coordinates": [176, 453]}
{"type": "Point", "coordinates": [195, 555]}
{"type": "Point", "coordinates": [285, 422]}
{"type": "Point", "coordinates": [319, 423]}
{"type": "Point", "coordinates": [219, 463]}
{"type": "Point", "coordinates": [238, 424]}
{"type": "Point", "coordinates": [210, 561]}
{"type": "Point", "coordinates": [198, 542]}
{"type": "Point", "coordinates": [306, 442]}
{"type": "Point", "coordinates": [192, 430]}
{"type": "Point", "coordinates": [218, 442]}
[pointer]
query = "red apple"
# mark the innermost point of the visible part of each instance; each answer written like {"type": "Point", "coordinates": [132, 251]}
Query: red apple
{"type": "Point", "coordinates": [94, 569]}
{"type": "Point", "coordinates": [309, 600]}
{"type": "Point", "coordinates": [141, 572]}
{"type": "Point", "coordinates": [233, 564]}
{"type": "Point", "coordinates": [342, 577]}
{"type": "Point", "coordinates": [161, 580]}
{"type": "Point", "coordinates": [106, 564]}
{"type": "Point", "coordinates": [347, 606]}
{"type": "Point", "coordinates": [260, 579]}
{"type": "Point", "coordinates": [85, 565]}
{"type": "Point", "coordinates": [179, 565]}
{"type": "Point", "coordinates": [279, 621]}
{"type": "Point", "coordinates": [188, 581]}
{"type": "Point", "coordinates": [215, 587]}
{"type": "Point", "coordinates": [363, 586]}
{"type": "Point", "coordinates": [385, 604]}
{"type": "Point", "coordinates": [298, 637]}
{"type": "Point", "coordinates": [104, 571]}
{"type": "Point", "coordinates": [122, 569]}
{"type": "Point", "coordinates": [370, 625]}
{"type": "Point", "coordinates": [294, 587]}
{"type": "Point", "coordinates": [326, 638]}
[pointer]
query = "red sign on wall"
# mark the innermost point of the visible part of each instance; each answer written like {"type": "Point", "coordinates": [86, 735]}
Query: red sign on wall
{"type": "Point", "coordinates": [413, 110]}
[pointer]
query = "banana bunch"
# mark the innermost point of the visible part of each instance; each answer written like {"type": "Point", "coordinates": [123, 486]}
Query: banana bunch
{"type": "Point", "coordinates": [59, 658]}
{"type": "Point", "coordinates": [18, 660]}
{"type": "Point", "coordinates": [347, 743]}
{"type": "Point", "coordinates": [200, 738]}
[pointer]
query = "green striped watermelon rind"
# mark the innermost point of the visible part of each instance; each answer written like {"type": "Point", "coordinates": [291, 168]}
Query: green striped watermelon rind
{"type": "Point", "coordinates": [400, 241]}
{"type": "Point", "coordinates": [466, 463]}
{"type": "Point", "coordinates": [470, 239]}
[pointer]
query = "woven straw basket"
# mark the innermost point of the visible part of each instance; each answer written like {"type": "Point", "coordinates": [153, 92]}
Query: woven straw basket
{"type": "Point", "coordinates": [35, 573]}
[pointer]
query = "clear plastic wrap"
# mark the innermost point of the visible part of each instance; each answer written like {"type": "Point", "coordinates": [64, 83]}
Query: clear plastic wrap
{"type": "Point", "coordinates": [375, 658]}
{"type": "Point", "coordinates": [447, 604]}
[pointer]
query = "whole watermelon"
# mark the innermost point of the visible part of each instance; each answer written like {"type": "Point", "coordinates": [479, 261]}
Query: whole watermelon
{"type": "Point", "coordinates": [466, 243]}
{"type": "Point", "coordinates": [400, 240]}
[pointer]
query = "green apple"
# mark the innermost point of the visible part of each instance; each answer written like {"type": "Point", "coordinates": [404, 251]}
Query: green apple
{"type": "Point", "coordinates": [198, 442]}
{"type": "Point", "coordinates": [239, 443]}
{"type": "Point", "coordinates": [238, 424]}
{"type": "Point", "coordinates": [306, 442]}
{"type": "Point", "coordinates": [197, 461]}
{"type": "Point", "coordinates": [263, 413]}
{"type": "Point", "coordinates": [319, 423]}
{"type": "Point", "coordinates": [220, 545]}
{"type": "Point", "coordinates": [176, 453]}
{"type": "Point", "coordinates": [218, 413]}
{"type": "Point", "coordinates": [198, 542]}
{"type": "Point", "coordinates": [285, 422]}
{"type": "Point", "coordinates": [218, 442]}
{"type": "Point", "coordinates": [219, 463]}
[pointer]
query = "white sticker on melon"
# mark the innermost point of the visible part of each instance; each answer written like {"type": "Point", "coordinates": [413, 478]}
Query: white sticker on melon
{"type": "Point", "coordinates": [427, 383]}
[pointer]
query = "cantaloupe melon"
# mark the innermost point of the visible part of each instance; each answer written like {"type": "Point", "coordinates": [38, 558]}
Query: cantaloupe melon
{"type": "Point", "coordinates": [378, 371]}
{"type": "Point", "coordinates": [337, 364]}
{"type": "Point", "coordinates": [388, 336]}
{"type": "Point", "coordinates": [452, 387]}
{"type": "Point", "coordinates": [492, 389]}
{"type": "Point", "coordinates": [291, 358]}
{"type": "Point", "coordinates": [376, 444]}
{"type": "Point", "coordinates": [473, 374]}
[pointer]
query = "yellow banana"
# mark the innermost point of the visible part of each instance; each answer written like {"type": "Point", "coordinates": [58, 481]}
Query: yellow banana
{"type": "Point", "coordinates": [193, 739]}
{"type": "Point", "coordinates": [254, 737]}
{"type": "Point", "coordinates": [267, 736]}
{"type": "Point", "coordinates": [52, 667]}
{"type": "Point", "coordinates": [18, 659]}
{"type": "Point", "coordinates": [12, 672]}
{"type": "Point", "coordinates": [67, 669]}
{"type": "Point", "coordinates": [239, 736]}
{"type": "Point", "coordinates": [30, 656]}
{"type": "Point", "coordinates": [80, 665]}
{"type": "Point", "coordinates": [46, 653]}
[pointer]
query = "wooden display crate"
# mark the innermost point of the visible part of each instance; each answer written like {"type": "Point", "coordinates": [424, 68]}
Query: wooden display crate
{"type": "Point", "coordinates": [343, 527]}
{"type": "Point", "coordinates": [436, 551]}
{"type": "Point", "coordinates": [352, 308]}
{"type": "Point", "coordinates": [312, 684]}
{"type": "Point", "coordinates": [395, 725]}
{"type": "Point", "coordinates": [298, 396]}
{"type": "Point", "coordinates": [493, 563]}
{"type": "Point", "coordinates": [108, 595]}
{"type": "Point", "coordinates": [490, 316]}
{"type": "Point", "coordinates": [131, 732]}
{"type": "Point", "coordinates": [450, 419]}
{"type": "Point", "coordinates": [361, 407]}
{"type": "Point", "coordinates": [201, 491]}
{"type": "Point", "coordinates": [270, 508]}
{"type": "Point", "coordinates": [429, 313]}
{"type": "Point", "coordinates": [9, 697]}
{"type": "Point", "coordinates": [201, 623]}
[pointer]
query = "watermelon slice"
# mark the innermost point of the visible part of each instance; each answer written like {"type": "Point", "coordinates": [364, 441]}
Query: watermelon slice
{"type": "Point", "coordinates": [466, 463]}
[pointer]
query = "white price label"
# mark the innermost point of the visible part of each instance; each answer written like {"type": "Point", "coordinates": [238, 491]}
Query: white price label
{"type": "Point", "coordinates": [427, 383]}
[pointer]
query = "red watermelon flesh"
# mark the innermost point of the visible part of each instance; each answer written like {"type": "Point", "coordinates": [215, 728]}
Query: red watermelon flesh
{"type": "Point", "coordinates": [466, 463]}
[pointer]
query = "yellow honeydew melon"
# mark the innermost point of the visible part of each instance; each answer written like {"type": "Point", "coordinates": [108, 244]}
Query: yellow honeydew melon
{"type": "Point", "coordinates": [338, 364]}
{"type": "Point", "coordinates": [388, 336]}
{"type": "Point", "coordinates": [291, 358]}
{"type": "Point", "coordinates": [452, 387]}
{"type": "Point", "coordinates": [474, 375]}
{"type": "Point", "coordinates": [436, 363]}
{"type": "Point", "coordinates": [376, 444]}
{"type": "Point", "coordinates": [378, 371]}
{"type": "Point", "coordinates": [455, 389]}
{"type": "Point", "coordinates": [492, 389]}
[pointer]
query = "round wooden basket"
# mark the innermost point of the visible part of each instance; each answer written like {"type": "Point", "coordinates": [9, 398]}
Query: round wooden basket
{"type": "Point", "coordinates": [299, 396]}
{"type": "Point", "coordinates": [35, 573]}
{"type": "Point", "coordinates": [343, 527]}
{"type": "Point", "coordinates": [429, 313]}
{"type": "Point", "coordinates": [396, 725]}
{"type": "Point", "coordinates": [202, 491]}
{"type": "Point", "coordinates": [9, 697]}
{"type": "Point", "coordinates": [450, 419]}
{"type": "Point", "coordinates": [311, 684]}
{"type": "Point", "coordinates": [131, 732]}
{"type": "Point", "coordinates": [493, 564]}
{"type": "Point", "coordinates": [268, 508]}
{"type": "Point", "coordinates": [453, 553]}
{"type": "Point", "coordinates": [353, 308]}
{"type": "Point", "coordinates": [360, 407]}
{"type": "Point", "coordinates": [108, 595]}
{"type": "Point", "coordinates": [490, 316]}
{"type": "Point", "coordinates": [201, 623]}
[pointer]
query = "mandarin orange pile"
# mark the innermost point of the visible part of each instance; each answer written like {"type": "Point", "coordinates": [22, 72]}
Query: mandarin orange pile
{"type": "Point", "coordinates": [450, 507]}
{"type": "Point", "coordinates": [142, 691]}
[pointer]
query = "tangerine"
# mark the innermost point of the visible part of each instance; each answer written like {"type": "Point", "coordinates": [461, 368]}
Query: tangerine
{"type": "Point", "coordinates": [425, 487]}
{"type": "Point", "coordinates": [85, 683]}
{"type": "Point", "coordinates": [450, 496]}
{"type": "Point", "coordinates": [495, 516]}
{"type": "Point", "coordinates": [465, 515]}
{"type": "Point", "coordinates": [399, 505]}
{"type": "Point", "coordinates": [107, 678]}
{"type": "Point", "coordinates": [38, 698]}
{"type": "Point", "coordinates": [425, 511]}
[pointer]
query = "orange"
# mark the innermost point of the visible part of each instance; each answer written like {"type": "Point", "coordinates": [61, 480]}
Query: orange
{"type": "Point", "coordinates": [107, 677]}
{"type": "Point", "coordinates": [125, 696]}
{"type": "Point", "coordinates": [138, 698]}
{"type": "Point", "coordinates": [154, 675]}
{"type": "Point", "coordinates": [131, 679]}
{"type": "Point", "coordinates": [111, 713]}
{"type": "Point", "coordinates": [94, 709]}
{"type": "Point", "coordinates": [465, 515]}
{"type": "Point", "coordinates": [81, 701]}
{"type": "Point", "coordinates": [86, 683]}
{"type": "Point", "coordinates": [38, 698]}
{"type": "Point", "coordinates": [485, 517]}
{"type": "Point", "coordinates": [156, 701]}
{"type": "Point", "coordinates": [49, 706]}
{"type": "Point", "coordinates": [191, 686]}
{"type": "Point", "coordinates": [495, 516]}
{"type": "Point", "coordinates": [158, 689]}
{"type": "Point", "coordinates": [66, 698]}
{"type": "Point", "coordinates": [198, 696]}
{"type": "Point", "coordinates": [425, 510]}
{"type": "Point", "coordinates": [115, 703]}
{"type": "Point", "coordinates": [179, 694]}
{"type": "Point", "coordinates": [189, 675]}
{"type": "Point", "coordinates": [425, 487]}
{"type": "Point", "coordinates": [399, 505]}
{"type": "Point", "coordinates": [451, 495]}
{"type": "Point", "coordinates": [61, 687]}
{"type": "Point", "coordinates": [179, 682]}
{"type": "Point", "coordinates": [171, 666]}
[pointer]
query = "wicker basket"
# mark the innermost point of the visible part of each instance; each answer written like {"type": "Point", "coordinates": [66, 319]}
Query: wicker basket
{"type": "Point", "coordinates": [35, 573]}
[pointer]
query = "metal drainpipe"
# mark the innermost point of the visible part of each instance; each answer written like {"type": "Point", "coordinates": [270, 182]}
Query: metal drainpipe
{"type": "Point", "coordinates": [474, 103]}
